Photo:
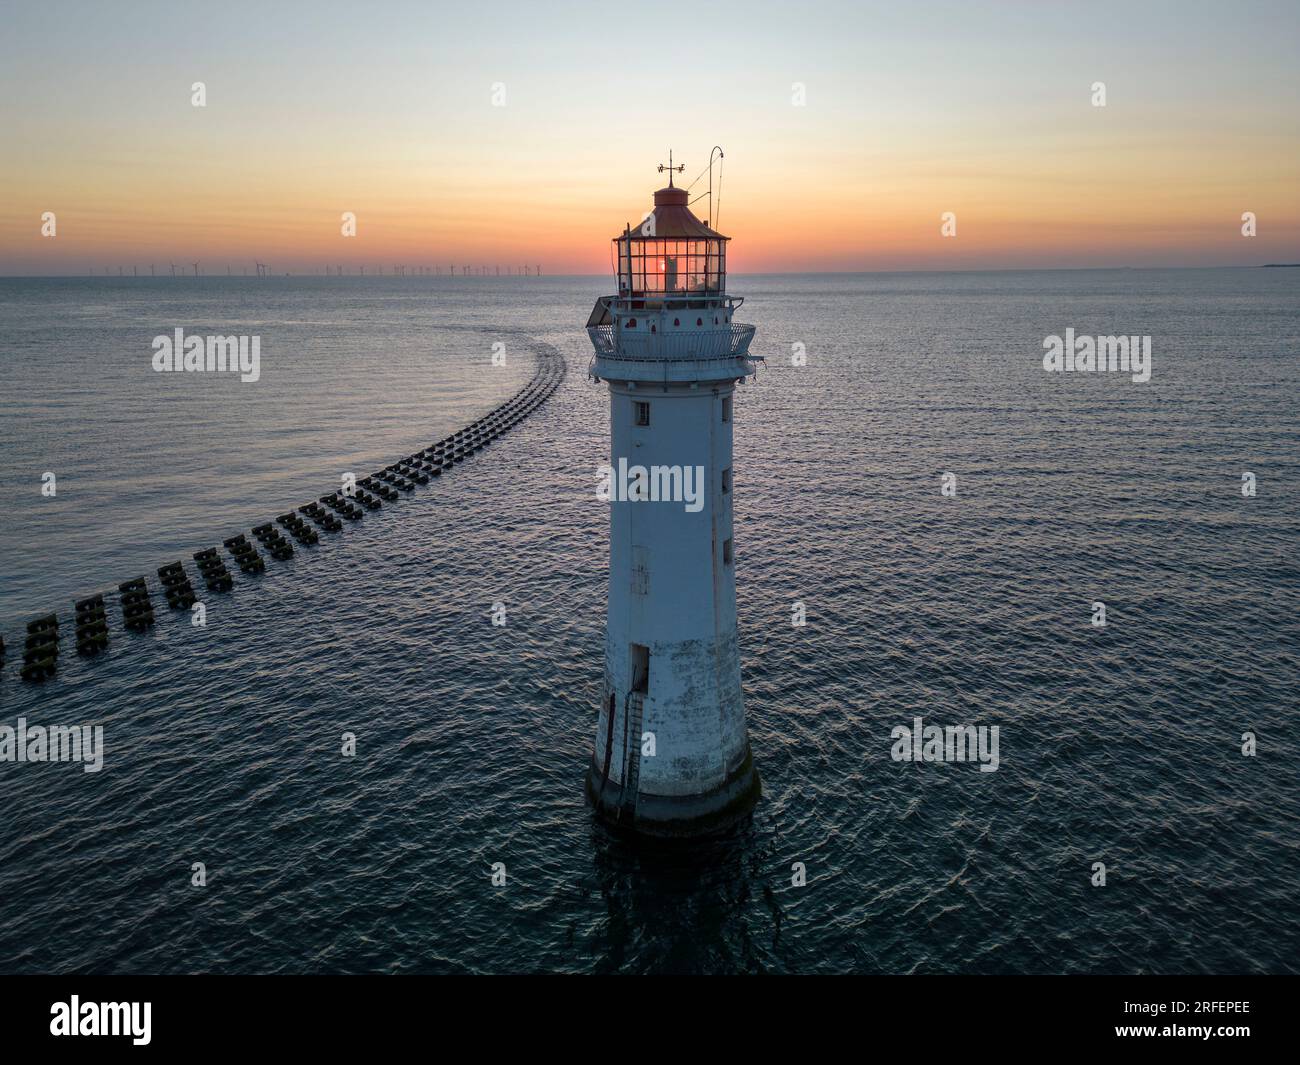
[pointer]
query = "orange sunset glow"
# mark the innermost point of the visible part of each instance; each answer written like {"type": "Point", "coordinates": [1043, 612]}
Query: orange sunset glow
{"type": "Point", "coordinates": [503, 138]}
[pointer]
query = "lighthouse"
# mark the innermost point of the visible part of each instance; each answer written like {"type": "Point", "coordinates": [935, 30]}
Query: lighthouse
{"type": "Point", "coordinates": [671, 753]}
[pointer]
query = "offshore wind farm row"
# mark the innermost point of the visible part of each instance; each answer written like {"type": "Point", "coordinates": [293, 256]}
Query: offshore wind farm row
{"type": "Point", "coordinates": [260, 269]}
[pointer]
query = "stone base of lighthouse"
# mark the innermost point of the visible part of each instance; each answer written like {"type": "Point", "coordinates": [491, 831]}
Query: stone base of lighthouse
{"type": "Point", "coordinates": [677, 815]}
{"type": "Point", "coordinates": [672, 755]}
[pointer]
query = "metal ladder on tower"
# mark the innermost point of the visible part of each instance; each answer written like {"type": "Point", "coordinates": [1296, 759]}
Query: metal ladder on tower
{"type": "Point", "coordinates": [635, 708]}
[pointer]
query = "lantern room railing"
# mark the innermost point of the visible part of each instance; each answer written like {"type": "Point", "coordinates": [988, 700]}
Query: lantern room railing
{"type": "Point", "coordinates": [726, 342]}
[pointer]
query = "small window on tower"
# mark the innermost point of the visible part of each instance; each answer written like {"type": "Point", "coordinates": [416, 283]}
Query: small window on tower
{"type": "Point", "coordinates": [726, 551]}
{"type": "Point", "coordinates": [726, 481]}
{"type": "Point", "coordinates": [726, 408]}
{"type": "Point", "coordinates": [642, 412]}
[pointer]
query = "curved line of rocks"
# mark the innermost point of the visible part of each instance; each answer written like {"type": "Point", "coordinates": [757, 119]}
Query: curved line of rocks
{"type": "Point", "coordinates": [328, 515]}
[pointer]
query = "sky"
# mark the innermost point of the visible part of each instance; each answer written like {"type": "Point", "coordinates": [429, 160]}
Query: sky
{"type": "Point", "coordinates": [500, 134]}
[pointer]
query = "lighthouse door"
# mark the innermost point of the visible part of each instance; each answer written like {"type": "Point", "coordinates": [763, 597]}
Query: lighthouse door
{"type": "Point", "coordinates": [640, 668]}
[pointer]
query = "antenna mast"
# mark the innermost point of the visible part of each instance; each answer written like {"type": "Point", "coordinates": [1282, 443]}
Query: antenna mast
{"type": "Point", "coordinates": [717, 149]}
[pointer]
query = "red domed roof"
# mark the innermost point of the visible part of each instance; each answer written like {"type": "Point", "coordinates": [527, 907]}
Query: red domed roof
{"type": "Point", "coordinates": [673, 220]}
{"type": "Point", "coordinates": [672, 196]}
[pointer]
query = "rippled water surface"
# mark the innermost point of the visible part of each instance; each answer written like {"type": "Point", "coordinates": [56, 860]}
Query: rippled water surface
{"type": "Point", "coordinates": [1119, 745]}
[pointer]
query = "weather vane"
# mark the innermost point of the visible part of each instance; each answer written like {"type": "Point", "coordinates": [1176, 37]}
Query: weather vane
{"type": "Point", "coordinates": [670, 168]}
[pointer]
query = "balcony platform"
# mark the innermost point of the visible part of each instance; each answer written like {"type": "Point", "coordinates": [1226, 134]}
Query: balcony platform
{"type": "Point", "coordinates": [672, 357]}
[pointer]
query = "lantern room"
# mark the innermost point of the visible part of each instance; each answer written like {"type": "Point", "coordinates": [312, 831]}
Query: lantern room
{"type": "Point", "coordinates": [671, 319]}
{"type": "Point", "coordinates": [672, 254]}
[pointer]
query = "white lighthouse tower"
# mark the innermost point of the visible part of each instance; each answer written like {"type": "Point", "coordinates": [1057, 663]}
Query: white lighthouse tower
{"type": "Point", "coordinates": [672, 753]}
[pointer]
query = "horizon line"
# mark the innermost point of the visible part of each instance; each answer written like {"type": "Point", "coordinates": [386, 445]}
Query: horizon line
{"type": "Point", "coordinates": [538, 277]}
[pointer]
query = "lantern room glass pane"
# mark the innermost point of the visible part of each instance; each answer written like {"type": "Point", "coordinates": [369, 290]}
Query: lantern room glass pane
{"type": "Point", "coordinates": [656, 268]}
